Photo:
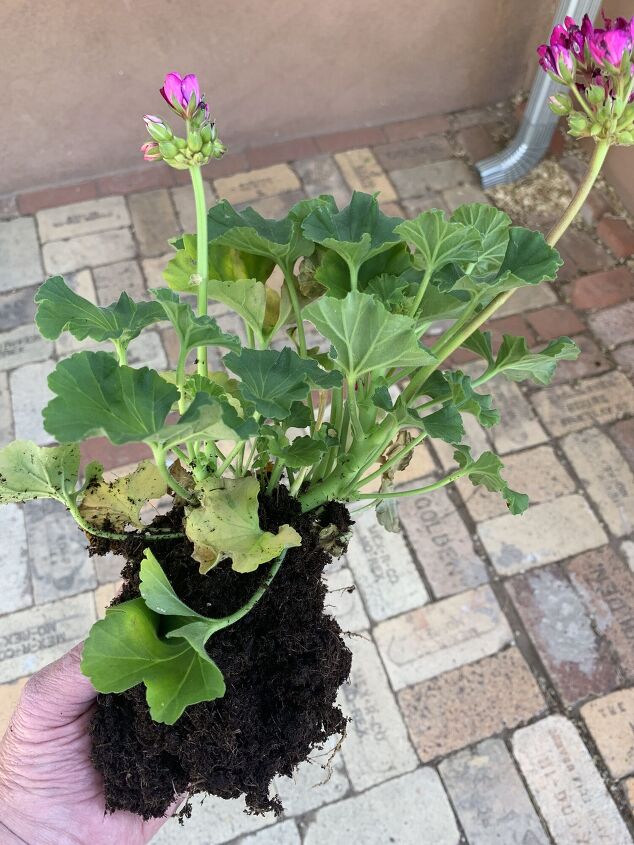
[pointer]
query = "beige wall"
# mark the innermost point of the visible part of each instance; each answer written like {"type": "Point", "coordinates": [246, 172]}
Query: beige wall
{"type": "Point", "coordinates": [79, 74]}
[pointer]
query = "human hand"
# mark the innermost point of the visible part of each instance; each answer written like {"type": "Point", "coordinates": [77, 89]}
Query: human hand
{"type": "Point", "coordinates": [50, 794]}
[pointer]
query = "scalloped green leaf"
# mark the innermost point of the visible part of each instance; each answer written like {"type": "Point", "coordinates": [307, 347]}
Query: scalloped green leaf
{"type": "Point", "coordinates": [439, 242]}
{"type": "Point", "coordinates": [273, 380]}
{"type": "Point", "coordinates": [61, 309]}
{"type": "Point", "coordinates": [486, 471]}
{"type": "Point", "coordinates": [365, 335]}
{"type": "Point", "coordinates": [517, 363]}
{"type": "Point", "coordinates": [125, 649]}
{"type": "Point", "coordinates": [357, 233]}
{"type": "Point", "coordinates": [224, 262]}
{"type": "Point", "coordinates": [193, 331]}
{"type": "Point", "coordinates": [28, 471]}
{"type": "Point", "coordinates": [493, 226]}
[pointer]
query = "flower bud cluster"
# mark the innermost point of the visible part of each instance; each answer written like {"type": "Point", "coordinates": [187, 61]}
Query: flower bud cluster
{"type": "Point", "coordinates": [201, 142]}
{"type": "Point", "coordinates": [597, 66]}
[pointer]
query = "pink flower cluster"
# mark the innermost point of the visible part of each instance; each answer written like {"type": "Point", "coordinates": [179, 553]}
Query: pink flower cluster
{"type": "Point", "coordinates": [595, 54]}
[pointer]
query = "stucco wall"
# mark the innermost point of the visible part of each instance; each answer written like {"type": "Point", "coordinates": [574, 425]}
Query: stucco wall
{"type": "Point", "coordinates": [79, 74]}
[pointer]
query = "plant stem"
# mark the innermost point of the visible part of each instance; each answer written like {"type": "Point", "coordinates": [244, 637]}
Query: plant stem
{"type": "Point", "coordinates": [354, 409]}
{"type": "Point", "coordinates": [113, 535]}
{"type": "Point", "coordinates": [421, 291]}
{"type": "Point", "coordinates": [161, 463]}
{"type": "Point", "coordinates": [275, 476]}
{"type": "Point", "coordinates": [227, 461]}
{"type": "Point", "coordinates": [419, 491]}
{"type": "Point", "coordinates": [202, 256]}
{"type": "Point", "coordinates": [122, 353]}
{"type": "Point", "coordinates": [291, 286]}
{"type": "Point", "coordinates": [255, 598]}
{"type": "Point", "coordinates": [596, 162]}
{"type": "Point", "coordinates": [393, 461]}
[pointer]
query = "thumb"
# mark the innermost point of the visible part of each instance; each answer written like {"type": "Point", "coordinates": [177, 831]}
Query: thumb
{"type": "Point", "coordinates": [56, 695]}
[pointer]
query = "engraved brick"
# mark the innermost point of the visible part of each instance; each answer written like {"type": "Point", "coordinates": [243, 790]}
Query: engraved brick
{"type": "Point", "coordinates": [384, 569]}
{"type": "Point", "coordinates": [154, 220]}
{"type": "Point", "coordinates": [610, 720]}
{"type": "Point", "coordinates": [245, 187]}
{"type": "Point", "coordinates": [442, 543]}
{"type": "Point", "coordinates": [543, 534]}
{"type": "Point", "coordinates": [376, 745]}
{"type": "Point", "coordinates": [469, 704]}
{"type": "Point", "coordinates": [431, 640]}
{"type": "Point", "coordinates": [321, 175]}
{"type": "Point", "coordinates": [362, 172]}
{"type": "Point", "coordinates": [519, 427]}
{"type": "Point", "coordinates": [82, 218]}
{"type": "Point", "coordinates": [608, 480]}
{"type": "Point", "coordinates": [113, 279]}
{"type": "Point", "coordinates": [344, 602]}
{"type": "Point", "coordinates": [29, 639]}
{"type": "Point", "coordinates": [489, 797]}
{"type": "Point", "coordinates": [614, 325]}
{"type": "Point", "coordinates": [14, 561]}
{"type": "Point", "coordinates": [578, 662]}
{"type": "Point", "coordinates": [17, 307]}
{"type": "Point", "coordinates": [108, 567]}
{"type": "Point", "coordinates": [606, 585]}
{"type": "Point", "coordinates": [23, 345]}
{"type": "Point", "coordinates": [570, 407]}
{"type": "Point", "coordinates": [567, 788]}
{"type": "Point", "coordinates": [416, 181]}
{"type": "Point", "coordinates": [58, 552]}
{"type": "Point", "coordinates": [20, 264]}
{"type": "Point", "coordinates": [88, 250]}
{"type": "Point", "coordinates": [537, 472]}
{"type": "Point", "coordinates": [410, 810]}
{"type": "Point", "coordinates": [183, 199]}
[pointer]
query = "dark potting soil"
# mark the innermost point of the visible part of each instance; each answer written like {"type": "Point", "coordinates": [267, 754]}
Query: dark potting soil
{"type": "Point", "coordinates": [283, 664]}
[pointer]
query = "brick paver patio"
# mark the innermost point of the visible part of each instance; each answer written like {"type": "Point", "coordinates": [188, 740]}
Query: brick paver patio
{"type": "Point", "coordinates": [492, 692]}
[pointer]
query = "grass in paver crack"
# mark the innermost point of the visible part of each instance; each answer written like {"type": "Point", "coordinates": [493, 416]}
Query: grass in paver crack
{"type": "Point", "coordinates": [218, 666]}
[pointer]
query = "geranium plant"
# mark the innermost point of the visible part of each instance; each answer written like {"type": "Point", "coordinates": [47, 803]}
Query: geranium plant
{"type": "Point", "coordinates": [322, 400]}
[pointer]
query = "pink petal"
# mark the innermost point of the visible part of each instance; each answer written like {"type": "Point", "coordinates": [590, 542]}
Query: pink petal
{"type": "Point", "coordinates": [190, 85]}
{"type": "Point", "coordinates": [171, 89]}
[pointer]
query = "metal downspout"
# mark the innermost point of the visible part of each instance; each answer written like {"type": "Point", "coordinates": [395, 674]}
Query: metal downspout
{"type": "Point", "coordinates": [538, 124]}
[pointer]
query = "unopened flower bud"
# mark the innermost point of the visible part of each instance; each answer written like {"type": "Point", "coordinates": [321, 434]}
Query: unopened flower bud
{"type": "Point", "coordinates": [206, 132]}
{"type": "Point", "coordinates": [157, 129]}
{"type": "Point", "coordinates": [578, 125]}
{"type": "Point", "coordinates": [595, 95]}
{"type": "Point", "coordinates": [625, 138]}
{"type": "Point", "coordinates": [206, 150]}
{"type": "Point", "coordinates": [168, 149]}
{"type": "Point", "coordinates": [151, 151]}
{"type": "Point", "coordinates": [181, 143]}
{"type": "Point", "coordinates": [560, 104]}
{"type": "Point", "coordinates": [194, 141]}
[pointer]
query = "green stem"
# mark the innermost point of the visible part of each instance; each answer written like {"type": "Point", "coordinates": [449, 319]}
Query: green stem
{"type": "Point", "coordinates": [275, 476]}
{"type": "Point", "coordinates": [161, 463]}
{"type": "Point", "coordinates": [180, 380]}
{"type": "Point", "coordinates": [255, 598]}
{"type": "Point", "coordinates": [421, 291]}
{"type": "Point", "coordinates": [122, 352]}
{"type": "Point", "coordinates": [393, 461]}
{"type": "Point", "coordinates": [582, 102]}
{"type": "Point", "coordinates": [202, 256]}
{"type": "Point", "coordinates": [354, 275]}
{"type": "Point", "coordinates": [419, 491]}
{"type": "Point", "coordinates": [354, 409]}
{"type": "Point", "coordinates": [594, 168]}
{"type": "Point", "coordinates": [113, 535]}
{"type": "Point", "coordinates": [182, 457]}
{"type": "Point", "coordinates": [227, 461]}
{"type": "Point", "coordinates": [291, 286]}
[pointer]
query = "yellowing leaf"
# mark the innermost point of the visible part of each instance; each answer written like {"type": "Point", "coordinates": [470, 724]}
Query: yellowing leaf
{"type": "Point", "coordinates": [227, 525]}
{"type": "Point", "coordinates": [118, 503]}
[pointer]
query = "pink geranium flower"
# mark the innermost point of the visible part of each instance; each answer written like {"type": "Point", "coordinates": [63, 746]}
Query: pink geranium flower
{"type": "Point", "coordinates": [183, 94]}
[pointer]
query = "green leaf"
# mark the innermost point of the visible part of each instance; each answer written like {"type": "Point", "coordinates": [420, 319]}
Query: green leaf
{"type": "Point", "coordinates": [118, 503]}
{"type": "Point", "coordinates": [357, 233]}
{"type": "Point", "coordinates": [456, 387]}
{"type": "Point", "coordinates": [493, 226]}
{"type": "Point", "coordinates": [29, 472]}
{"type": "Point", "coordinates": [486, 471]}
{"type": "Point", "coordinates": [278, 240]}
{"type": "Point", "coordinates": [227, 525]}
{"type": "Point", "coordinates": [365, 335]}
{"type": "Point", "coordinates": [61, 309]}
{"type": "Point", "coordinates": [529, 260]}
{"type": "Point", "coordinates": [303, 451]}
{"type": "Point", "coordinates": [273, 380]}
{"type": "Point", "coordinates": [439, 242]}
{"type": "Point", "coordinates": [334, 274]}
{"type": "Point", "coordinates": [95, 396]}
{"type": "Point", "coordinates": [210, 417]}
{"type": "Point", "coordinates": [518, 363]}
{"type": "Point", "coordinates": [224, 262]}
{"type": "Point", "coordinates": [480, 343]}
{"type": "Point", "coordinates": [124, 650]}
{"type": "Point", "coordinates": [159, 594]}
{"type": "Point", "coordinates": [193, 331]}
{"type": "Point", "coordinates": [261, 307]}
{"type": "Point", "coordinates": [445, 424]}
